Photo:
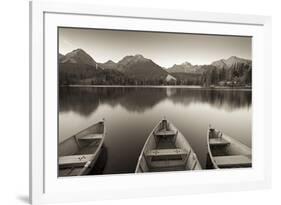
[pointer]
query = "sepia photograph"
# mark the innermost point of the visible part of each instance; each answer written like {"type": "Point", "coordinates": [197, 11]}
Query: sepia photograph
{"type": "Point", "coordinates": [143, 101]}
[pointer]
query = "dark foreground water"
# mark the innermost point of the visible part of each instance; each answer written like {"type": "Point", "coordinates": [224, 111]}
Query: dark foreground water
{"type": "Point", "coordinates": [131, 113]}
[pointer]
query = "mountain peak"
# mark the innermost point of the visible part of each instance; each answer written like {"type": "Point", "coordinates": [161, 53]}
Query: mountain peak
{"type": "Point", "coordinates": [78, 56]}
{"type": "Point", "coordinates": [109, 65]}
{"type": "Point", "coordinates": [128, 60]}
{"type": "Point", "coordinates": [141, 68]}
{"type": "Point", "coordinates": [79, 50]}
{"type": "Point", "coordinates": [185, 67]}
{"type": "Point", "coordinates": [229, 62]}
{"type": "Point", "coordinates": [139, 56]}
{"type": "Point", "coordinates": [186, 63]}
{"type": "Point", "coordinates": [233, 58]}
{"type": "Point", "coordinates": [109, 62]}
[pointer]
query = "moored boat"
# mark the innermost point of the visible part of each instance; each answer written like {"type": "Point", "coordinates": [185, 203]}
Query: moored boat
{"type": "Point", "coordinates": [79, 153]}
{"type": "Point", "coordinates": [166, 149]}
{"type": "Point", "coordinates": [226, 152]}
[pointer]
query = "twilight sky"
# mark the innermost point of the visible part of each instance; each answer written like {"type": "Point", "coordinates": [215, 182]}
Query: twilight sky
{"type": "Point", "coordinates": [165, 49]}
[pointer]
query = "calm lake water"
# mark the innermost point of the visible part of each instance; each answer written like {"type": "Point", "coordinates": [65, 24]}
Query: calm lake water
{"type": "Point", "coordinates": [132, 112]}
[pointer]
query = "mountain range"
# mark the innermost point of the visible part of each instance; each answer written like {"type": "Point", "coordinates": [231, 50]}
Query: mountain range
{"type": "Point", "coordinates": [185, 67]}
{"type": "Point", "coordinates": [78, 67]}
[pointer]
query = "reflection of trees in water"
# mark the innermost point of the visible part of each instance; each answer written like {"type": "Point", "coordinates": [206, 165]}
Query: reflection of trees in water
{"type": "Point", "coordinates": [223, 99]}
{"type": "Point", "coordinates": [77, 100]}
{"type": "Point", "coordinates": [86, 100]}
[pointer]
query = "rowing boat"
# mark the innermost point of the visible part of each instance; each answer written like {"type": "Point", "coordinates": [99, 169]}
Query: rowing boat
{"type": "Point", "coordinates": [166, 149]}
{"type": "Point", "coordinates": [79, 153]}
{"type": "Point", "coordinates": [226, 152]}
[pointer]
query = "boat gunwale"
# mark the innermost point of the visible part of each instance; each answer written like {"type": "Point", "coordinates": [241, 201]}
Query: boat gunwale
{"type": "Point", "coordinates": [209, 150]}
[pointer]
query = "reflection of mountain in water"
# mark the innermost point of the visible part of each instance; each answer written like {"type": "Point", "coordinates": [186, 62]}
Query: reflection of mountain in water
{"type": "Point", "coordinates": [142, 99]}
{"type": "Point", "coordinates": [86, 100]}
{"type": "Point", "coordinates": [77, 100]}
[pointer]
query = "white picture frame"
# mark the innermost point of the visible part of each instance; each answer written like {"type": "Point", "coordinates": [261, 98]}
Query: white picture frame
{"type": "Point", "coordinates": [46, 187]}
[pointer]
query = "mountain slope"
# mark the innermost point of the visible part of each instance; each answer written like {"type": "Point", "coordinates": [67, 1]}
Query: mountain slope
{"type": "Point", "coordinates": [142, 69]}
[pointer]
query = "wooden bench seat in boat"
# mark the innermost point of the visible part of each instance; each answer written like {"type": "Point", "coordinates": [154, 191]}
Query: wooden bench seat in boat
{"type": "Point", "coordinates": [232, 161]}
{"type": "Point", "coordinates": [218, 141]}
{"type": "Point", "coordinates": [88, 149]}
{"type": "Point", "coordinates": [165, 152]}
{"type": "Point", "coordinates": [74, 160]}
{"type": "Point", "coordinates": [167, 169]}
{"type": "Point", "coordinates": [92, 137]}
{"type": "Point", "coordinates": [165, 133]}
{"type": "Point", "coordinates": [167, 163]}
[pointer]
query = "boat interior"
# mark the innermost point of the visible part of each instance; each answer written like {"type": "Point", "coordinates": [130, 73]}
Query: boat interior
{"type": "Point", "coordinates": [80, 149]}
{"type": "Point", "coordinates": [227, 152]}
{"type": "Point", "coordinates": [167, 150]}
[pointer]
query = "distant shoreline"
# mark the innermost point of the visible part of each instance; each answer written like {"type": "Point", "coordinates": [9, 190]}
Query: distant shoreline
{"type": "Point", "coordinates": [161, 86]}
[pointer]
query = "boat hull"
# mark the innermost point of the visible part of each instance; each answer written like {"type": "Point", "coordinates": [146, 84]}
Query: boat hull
{"type": "Point", "coordinates": [226, 152]}
{"type": "Point", "coordinates": [79, 153]}
{"type": "Point", "coordinates": [166, 149]}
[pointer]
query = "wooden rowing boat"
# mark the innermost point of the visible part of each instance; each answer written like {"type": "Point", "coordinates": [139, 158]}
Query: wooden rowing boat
{"type": "Point", "coordinates": [166, 149]}
{"type": "Point", "coordinates": [78, 153]}
{"type": "Point", "coordinates": [226, 152]}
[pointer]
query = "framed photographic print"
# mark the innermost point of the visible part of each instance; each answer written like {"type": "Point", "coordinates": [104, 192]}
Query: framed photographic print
{"type": "Point", "coordinates": [130, 102]}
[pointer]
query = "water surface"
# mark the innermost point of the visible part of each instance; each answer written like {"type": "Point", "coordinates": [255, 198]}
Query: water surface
{"type": "Point", "coordinates": [131, 113]}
